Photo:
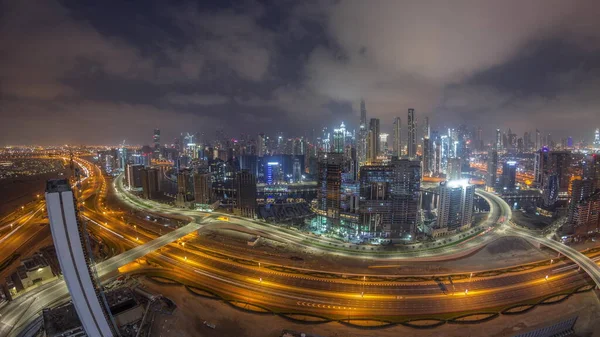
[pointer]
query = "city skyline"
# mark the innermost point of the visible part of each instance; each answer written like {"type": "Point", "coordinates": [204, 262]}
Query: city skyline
{"type": "Point", "coordinates": [292, 67]}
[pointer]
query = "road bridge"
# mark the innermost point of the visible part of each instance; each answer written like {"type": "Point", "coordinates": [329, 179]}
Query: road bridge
{"type": "Point", "coordinates": [589, 266]}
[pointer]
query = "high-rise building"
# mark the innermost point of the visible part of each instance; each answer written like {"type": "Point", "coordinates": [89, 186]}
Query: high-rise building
{"type": "Point", "coordinates": [383, 143]}
{"type": "Point", "coordinates": [560, 162]}
{"type": "Point", "coordinates": [76, 261]}
{"type": "Point", "coordinates": [330, 183]}
{"type": "Point", "coordinates": [455, 205]}
{"type": "Point", "coordinates": [363, 133]}
{"type": "Point", "coordinates": [454, 171]}
{"type": "Point", "coordinates": [184, 192]}
{"type": "Point", "coordinates": [492, 168]}
{"type": "Point", "coordinates": [412, 134]}
{"type": "Point", "coordinates": [150, 185]}
{"type": "Point", "coordinates": [389, 198]}
{"type": "Point", "coordinates": [406, 197]}
{"type": "Point", "coordinates": [498, 142]}
{"type": "Point", "coordinates": [426, 128]}
{"type": "Point", "coordinates": [541, 165]}
{"type": "Point", "coordinates": [398, 137]}
{"type": "Point", "coordinates": [203, 188]}
{"type": "Point", "coordinates": [339, 139]}
{"type": "Point", "coordinates": [156, 140]}
{"type": "Point", "coordinates": [587, 213]}
{"type": "Point", "coordinates": [597, 138]}
{"type": "Point", "coordinates": [373, 149]}
{"type": "Point", "coordinates": [427, 156]}
{"type": "Point", "coordinates": [245, 189]}
{"type": "Point", "coordinates": [538, 140]}
{"type": "Point", "coordinates": [581, 189]}
{"type": "Point", "coordinates": [134, 175]}
{"type": "Point", "coordinates": [509, 175]}
{"type": "Point", "coordinates": [261, 145]}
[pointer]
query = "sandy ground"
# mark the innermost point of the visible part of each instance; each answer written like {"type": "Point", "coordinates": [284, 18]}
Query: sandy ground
{"type": "Point", "coordinates": [504, 252]}
{"type": "Point", "coordinates": [192, 311]}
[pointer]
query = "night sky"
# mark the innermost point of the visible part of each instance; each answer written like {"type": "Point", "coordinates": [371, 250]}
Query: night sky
{"type": "Point", "coordinates": [99, 72]}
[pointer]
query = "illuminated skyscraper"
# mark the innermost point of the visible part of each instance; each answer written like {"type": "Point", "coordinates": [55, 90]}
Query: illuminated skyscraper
{"type": "Point", "coordinates": [75, 260]}
{"type": "Point", "coordinates": [363, 133]}
{"type": "Point", "coordinates": [492, 168]}
{"type": "Point", "coordinates": [339, 139]}
{"type": "Point", "coordinates": [383, 143]}
{"type": "Point", "coordinates": [412, 134]}
{"type": "Point", "coordinates": [373, 149]}
{"type": "Point", "coordinates": [261, 145]}
{"type": "Point", "coordinates": [398, 137]}
{"type": "Point", "coordinates": [597, 138]}
{"type": "Point", "coordinates": [538, 140]}
{"type": "Point", "coordinates": [509, 175]}
{"type": "Point", "coordinates": [156, 140]}
{"type": "Point", "coordinates": [150, 185]}
{"type": "Point", "coordinates": [498, 142]}
{"type": "Point", "coordinates": [202, 188]}
{"type": "Point", "coordinates": [455, 206]}
{"type": "Point", "coordinates": [329, 184]}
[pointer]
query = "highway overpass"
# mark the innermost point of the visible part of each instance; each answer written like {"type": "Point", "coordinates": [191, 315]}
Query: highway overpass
{"type": "Point", "coordinates": [591, 268]}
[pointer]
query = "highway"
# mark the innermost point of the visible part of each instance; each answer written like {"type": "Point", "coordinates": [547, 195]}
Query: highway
{"type": "Point", "coordinates": [287, 291]}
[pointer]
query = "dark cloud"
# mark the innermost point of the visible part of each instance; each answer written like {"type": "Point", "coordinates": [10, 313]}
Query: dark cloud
{"type": "Point", "coordinates": [119, 70]}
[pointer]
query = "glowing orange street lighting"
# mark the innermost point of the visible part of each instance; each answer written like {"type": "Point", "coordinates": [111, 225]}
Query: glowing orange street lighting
{"type": "Point", "coordinates": [466, 291]}
{"type": "Point", "coordinates": [546, 277]}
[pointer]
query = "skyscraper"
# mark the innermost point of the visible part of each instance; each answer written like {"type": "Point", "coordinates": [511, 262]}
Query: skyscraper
{"type": "Point", "coordinates": [373, 149]}
{"type": "Point", "coordinates": [412, 134]}
{"type": "Point", "coordinates": [339, 139]}
{"type": "Point", "coordinates": [389, 198]}
{"type": "Point", "coordinates": [202, 188]}
{"type": "Point", "coordinates": [538, 140]}
{"type": "Point", "coordinates": [581, 189]}
{"type": "Point", "coordinates": [498, 142]}
{"type": "Point", "coordinates": [492, 168]}
{"type": "Point", "coordinates": [156, 140]}
{"type": "Point", "coordinates": [455, 205]}
{"type": "Point", "coordinates": [398, 137]}
{"type": "Point", "coordinates": [454, 169]}
{"type": "Point", "coordinates": [426, 129]}
{"type": "Point", "coordinates": [245, 190]}
{"type": "Point", "coordinates": [597, 138]}
{"type": "Point", "coordinates": [383, 143]}
{"type": "Point", "coordinates": [363, 132]}
{"type": "Point", "coordinates": [509, 175]}
{"type": "Point", "coordinates": [150, 185]}
{"type": "Point", "coordinates": [75, 260]}
{"type": "Point", "coordinates": [427, 156]}
{"type": "Point", "coordinates": [261, 145]}
{"type": "Point", "coordinates": [134, 175]}
{"type": "Point", "coordinates": [329, 184]}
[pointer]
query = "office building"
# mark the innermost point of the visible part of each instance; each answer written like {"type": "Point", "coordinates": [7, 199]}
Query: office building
{"type": "Point", "coordinates": [492, 169]}
{"type": "Point", "coordinates": [541, 166]}
{"type": "Point", "coordinates": [509, 175]}
{"type": "Point", "coordinates": [245, 191]}
{"type": "Point", "coordinates": [597, 138]}
{"type": "Point", "coordinates": [329, 184]}
{"type": "Point", "coordinates": [156, 141]}
{"type": "Point", "coordinates": [406, 197]}
{"type": "Point", "coordinates": [454, 171]}
{"type": "Point", "coordinates": [150, 183]}
{"type": "Point", "coordinates": [373, 142]}
{"type": "Point", "coordinates": [398, 137]}
{"type": "Point", "coordinates": [184, 188]}
{"type": "Point", "coordinates": [498, 142]}
{"type": "Point", "coordinates": [134, 175]}
{"type": "Point", "coordinates": [455, 205]}
{"type": "Point", "coordinates": [581, 189]}
{"type": "Point", "coordinates": [427, 156]}
{"type": "Point", "coordinates": [383, 143]}
{"type": "Point", "coordinates": [412, 134]}
{"type": "Point", "coordinates": [363, 132]}
{"type": "Point", "coordinates": [75, 260]}
{"type": "Point", "coordinates": [203, 188]}
{"type": "Point", "coordinates": [390, 198]}
{"type": "Point", "coordinates": [587, 213]}
{"type": "Point", "coordinates": [339, 139]}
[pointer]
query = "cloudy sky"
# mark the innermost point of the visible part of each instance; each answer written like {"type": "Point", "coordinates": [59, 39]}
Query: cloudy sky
{"type": "Point", "coordinates": [91, 72]}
